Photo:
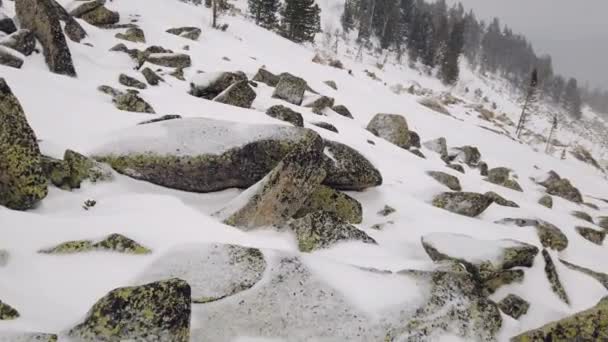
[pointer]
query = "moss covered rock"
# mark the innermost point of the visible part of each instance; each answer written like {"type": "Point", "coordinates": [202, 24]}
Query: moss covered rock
{"type": "Point", "coordinates": [41, 18]}
{"type": "Point", "coordinates": [16, 336]}
{"type": "Point", "coordinates": [464, 203]}
{"type": "Point", "coordinates": [170, 60]}
{"type": "Point", "coordinates": [286, 114]}
{"type": "Point", "coordinates": [514, 306]}
{"type": "Point", "coordinates": [22, 180]}
{"type": "Point", "coordinates": [239, 94]}
{"type": "Point", "coordinates": [95, 13]}
{"type": "Point", "coordinates": [553, 278]}
{"type": "Point", "coordinates": [327, 199]}
{"type": "Point", "coordinates": [133, 34]}
{"type": "Point", "coordinates": [290, 88]}
{"type": "Point", "coordinates": [588, 325]}
{"type": "Point", "coordinates": [498, 199]}
{"type": "Point", "coordinates": [446, 179]}
{"type": "Point", "coordinates": [322, 229]}
{"type": "Point", "coordinates": [283, 191]}
{"type": "Point", "coordinates": [158, 311]}
{"type": "Point", "coordinates": [113, 243]}
{"type": "Point", "coordinates": [347, 169]}
{"type": "Point", "coordinates": [7, 312]}
{"type": "Point", "coordinates": [214, 84]}
{"type": "Point", "coordinates": [392, 128]}
{"type": "Point", "coordinates": [595, 236]}
{"type": "Point", "coordinates": [129, 81]}
{"type": "Point", "coordinates": [546, 201]}
{"type": "Point", "coordinates": [151, 77]}
{"type": "Point", "coordinates": [75, 168]}
{"type": "Point", "coordinates": [188, 32]}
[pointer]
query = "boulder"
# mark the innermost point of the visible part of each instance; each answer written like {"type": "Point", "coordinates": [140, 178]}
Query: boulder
{"type": "Point", "coordinates": [468, 155]}
{"type": "Point", "coordinates": [129, 81]}
{"type": "Point", "coordinates": [280, 195]}
{"type": "Point", "coordinates": [438, 146]}
{"type": "Point", "coordinates": [266, 77]}
{"type": "Point", "coordinates": [290, 88]}
{"type": "Point", "coordinates": [392, 128]}
{"type": "Point", "coordinates": [210, 85]}
{"type": "Point", "coordinates": [342, 110]}
{"type": "Point", "coordinates": [15, 336]}
{"type": "Point", "coordinates": [326, 199]}
{"type": "Point", "coordinates": [415, 140]}
{"type": "Point", "coordinates": [75, 168]}
{"type": "Point", "coordinates": [592, 235]}
{"type": "Point", "coordinates": [553, 277]}
{"type": "Point", "coordinates": [583, 216]}
{"type": "Point", "coordinates": [602, 278]}
{"type": "Point", "coordinates": [188, 32]}
{"type": "Point", "coordinates": [6, 24]}
{"type": "Point", "coordinates": [550, 236]}
{"type": "Point", "coordinates": [151, 77]}
{"type": "Point", "coordinates": [561, 187]}
{"type": "Point", "coordinates": [546, 201]}
{"type": "Point", "coordinates": [464, 203]}
{"type": "Point", "coordinates": [22, 41]}
{"type": "Point", "coordinates": [286, 114]}
{"type": "Point", "coordinates": [588, 325]}
{"type": "Point", "coordinates": [483, 168]}
{"type": "Point", "coordinates": [10, 58]}
{"type": "Point", "coordinates": [22, 183]}
{"type": "Point", "coordinates": [347, 169]}
{"type": "Point", "coordinates": [498, 199]}
{"type": "Point", "coordinates": [240, 94]}
{"type": "Point", "coordinates": [321, 229]}
{"type": "Point", "coordinates": [133, 34]}
{"type": "Point", "coordinates": [326, 125]}
{"type": "Point", "coordinates": [112, 243]}
{"type": "Point", "coordinates": [170, 60]}
{"type": "Point", "coordinates": [158, 311]}
{"type": "Point", "coordinates": [95, 13]}
{"type": "Point", "coordinates": [213, 271]}
{"type": "Point", "coordinates": [7, 312]}
{"type": "Point", "coordinates": [319, 104]}
{"type": "Point", "coordinates": [514, 306]}
{"type": "Point", "coordinates": [74, 31]}
{"type": "Point", "coordinates": [41, 18]}
{"type": "Point", "coordinates": [446, 179]}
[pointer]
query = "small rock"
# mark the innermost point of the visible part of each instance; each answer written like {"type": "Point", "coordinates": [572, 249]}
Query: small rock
{"type": "Point", "coordinates": [553, 278]}
{"type": "Point", "coordinates": [561, 187]}
{"type": "Point", "coordinates": [387, 210]}
{"type": "Point", "coordinates": [439, 146]}
{"type": "Point", "coordinates": [162, 118]}
{"type": "Point", "coordinates": [583, 216]}
{"type": "Point", "coordinates": [319, 104]}
{"type": "Point", "coordinates": [456, 167]}
{"type": "Point", "coordinates": [240, 94]}
{"type": "Point", "coordinates": [595, 236]}
{"type": "Point", "coordinates": [151, 77]}
{"type": "Point", "coordinates": [415, 140]}
{"type": "Point", "coordinates": [417, 152]}
{"type": "Point", "coordinates": [131, 102]}
{"type": "Point", "coordinates": [501, 200]}
{"type": "Point", "coordinates": [514, 306]}
{"type": "Point", "coordinates": [392, 128]}
{"type": "Point", "coordinates": [286, 114]}
{"type": "Point", "coordinates": [464, 203]}
{"type": "Point", "coordinates": [209, 86]}
{"type": "Point", "coordinates": [446, 179]}
{"type": "Point", "coordinates": [469, 155]}
{"type": "Point", "coordinates": [342, 110]}
{"type": "Point", "coordinates": [113, 243]}
{"type": "Point", "coordinates": [326, 126]}
{"type": "Point", "coordinates": [178, 73]}
{"type": "Point", "coordinates": [483, 168]}
{"type": "Point", "coordinates": [129, 81]}
{"type": "Point", "coordinates": [290, 88]}
{"type": "Point", "coordinates": [266, 77]}
{"type": "Point", "coordinates": [6, 24]}
{"type": "Point", "coordinates": [95, 13]}
{"type": "Point", "coordinates": [550, 236]}
{"type": "Point", "coordinates": [603, 222]}
{"type": "Point", "coordinates": [75, 168]}
{"type": "Point", "coordinates": [546, 201]}
{"type": "Point", "coordinates": [7, 312]}
{"type": "Point", "coordinates": [170, 60]}
{"type": "Point", "coordinates": [134, 34]}
{"type": "Point", "coordinates": [331, 84]}
{"type": "Point", "coordinates": [187, 32]}
{"type": "Point", "coordinates": [435, 105]}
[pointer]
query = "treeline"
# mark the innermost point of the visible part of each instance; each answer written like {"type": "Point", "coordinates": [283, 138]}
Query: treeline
{"type": "Point", "coordinates": [296, 20]}
{"type": "Point", "coordinates": [436, 35]}
{"type": "Point", "coordinates": [597, 99]}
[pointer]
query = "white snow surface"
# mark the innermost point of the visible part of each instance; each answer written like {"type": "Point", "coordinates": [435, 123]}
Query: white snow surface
{"type": "Point", "coordinates": [470, 249]}
{"type": "Point", "coordinates": [53, 293]}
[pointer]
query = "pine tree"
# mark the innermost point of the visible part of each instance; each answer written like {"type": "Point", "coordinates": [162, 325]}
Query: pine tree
{"type": "Point", "coordinates": [572, 101]}
{"type": "Point", "coordinates": [450, 69]}
{"type": "Point", "coordinates": [531, 98]}
{"type": "Point", "coordinates": [348, 16]}
{"type": "Point", "coordinates": [264, 12]}
{"type": "Point", "coordinates": [300, 20]}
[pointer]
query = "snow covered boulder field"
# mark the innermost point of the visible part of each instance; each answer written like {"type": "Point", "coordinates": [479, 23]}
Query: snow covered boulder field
{"type": "Point", "coordinates": [161, 180]}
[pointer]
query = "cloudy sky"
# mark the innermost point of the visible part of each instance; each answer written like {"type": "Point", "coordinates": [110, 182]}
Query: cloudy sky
{"type": "Point", "coordinates": [573, 32]}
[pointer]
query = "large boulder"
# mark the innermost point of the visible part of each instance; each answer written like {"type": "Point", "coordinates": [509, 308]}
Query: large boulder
{"type": "Point", "coordinates": [321, 229]}
{"type": "Point", "coordinates": [347, 169]}
{"type": "Point", "coordinates": [392, 128]}
{"type": "Point", "coordinates": [22, 41]}
{"type": "Point", "coordinates": [464, 203]}
{"type": "Point", "coordinates": [158, 311]}
{"type": "Point", "coordinates": [549, 235]}
{"type": "Point", "coordinates": [588, 325]}
{"type": "Point", "coordinates": [240, 94]}
{"type": "Point", "coordinates": [280, 195]}
{"type": "Point", "coordinates": [286, 114]}
{"type": "Point", "coordinates": [95, 13]}
{"type": "Point", "coordinates": [329, 200]}
{"type": "Point", "coordinates": [10, 58]}
{"type": "Point", "coordinates": [213, 271]}
{"type": "Point", "coordinates": [561, 187]}
{"type": "Point", "coordinates": [201, 155]}
{"type": "Point", "coordinates": [40, 17]}
{"type": "Point", "coordinates": [22, 180]}
{"type": "Point", "coordinates": [290, 88]}
{"type": "Point", "coordinates": [210, 85]}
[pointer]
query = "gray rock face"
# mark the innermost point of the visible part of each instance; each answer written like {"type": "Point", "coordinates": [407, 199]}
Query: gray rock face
{"type": "Point", "coordinates": [213, 271]}
{"type": "Point", "coordinates": [286, 114]}
{"type": "Point", "coordinates": [329, 200]}
{"type": "Point", "coordinates": [323, 229]}
{"type": "Point", "coordinates": [9, 58]}
{"type": "Point", "coordinates": [157, 311]}
{"type": "Point", "coordinates": [40, 17]}
{"type": "Point", "coordinates": [95, 13]}
{"type": "Point", "coordinates": [500, 176]}
{"type": "Point", "coordinates": [170, 60]}
{"type": "Point", "coordinates": [23, 183]}
{"type": "Point", "coordinates": [514, 306]}
{"type": "Point", "coordinates": [342, 110]}
{"type": "Point", "coordinates": [347, 169]}
{"type": "Point", "coordinates": [464, 203]}
{"type": "Point", "coordinates": [550, 236]}
{"type": "Point", "coordinates": [283, 191]}
{"type": "Point", "coordinates": [216, 84]}
{"type": "Point", "coordinates": [392, 128]}
{"type": "Point", "coordinates": [290, 88]}
{"type": "Point", "coordinates": [129, 81]}
{"type": "Point", "coordinates": [239, 94]}
{"type": "Point", "coordinates": [446, 179]}
{"type": "Point", "coordinates": [22, 41]}
{"type": "Point", "coordinates": [266, 77]}
{"type": "Point", "coordinates": [553, 278]}
{"type": "Point", "coordinates": [188, 32]}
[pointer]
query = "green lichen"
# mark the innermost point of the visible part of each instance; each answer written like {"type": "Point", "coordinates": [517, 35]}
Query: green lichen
{"type": "Point", "coordinates": [327, 199]}
{"type": "Point", "coordinates": [113, 243]}
{"type": "Point", "coordinates": [546, 201]}
{"type": "Point", "coordinates": [7, 312]}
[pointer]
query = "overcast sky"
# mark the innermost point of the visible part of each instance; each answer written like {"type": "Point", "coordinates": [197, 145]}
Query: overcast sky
{"type": "Point", "coordinates": [573, 32]}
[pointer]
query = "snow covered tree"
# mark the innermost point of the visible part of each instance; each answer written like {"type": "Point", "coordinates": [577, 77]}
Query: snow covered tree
{"type": "Point", "coordinates": [348, 16]}
{"type": "Point", "coordinates": [300, 20]}
{"type": "Point", "coordinates": [450, 69]}
{"type": "Point", "coordinates": [264, 12]}
{"type": "Point", "coordinates": [531, 98]}
{"type": "Point", "coordinates": [572, 101]}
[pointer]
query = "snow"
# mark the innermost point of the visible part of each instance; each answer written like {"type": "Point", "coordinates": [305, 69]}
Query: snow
{"type": "Point", "coordinates": [52, 293]}
{"type": "Point", "coordinates": [469, 249]}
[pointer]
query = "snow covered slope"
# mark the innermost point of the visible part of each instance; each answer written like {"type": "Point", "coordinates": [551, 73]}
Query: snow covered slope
{"type": "Point", "coordinates": [53, 293]}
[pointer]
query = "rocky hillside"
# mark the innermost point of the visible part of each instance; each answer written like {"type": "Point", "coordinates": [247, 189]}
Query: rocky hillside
{"type": "Point", "coordinates": [164, 181]}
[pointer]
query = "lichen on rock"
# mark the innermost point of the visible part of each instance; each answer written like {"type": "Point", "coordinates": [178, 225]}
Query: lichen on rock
{"type": "Point", "coordinates": [290, 88]}
{"type": "Point", "coordinates": [327, 199]}
{"type": "Point", "coordinates": [392, 128]}
{"type": "Point", "coordinates": [286, 114]}
{"type": "Point", "coordinates": [347, 169]}
{"type": "Point", "coordinates": [7, 312]}
{"type": "Point", "coordinates": [446, 179]}
{"type": "Point", "coordinates": [464, 203]}
{"type": "Point", "coordinates": [553, 278]}
{"type": "Point", "coordinates": [113, 243]}
{"type": "Point", "coordinates": [514, 306]}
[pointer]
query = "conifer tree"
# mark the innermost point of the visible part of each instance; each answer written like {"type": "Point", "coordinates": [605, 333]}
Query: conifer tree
{"type": "Point", "coordinates": [264, 12]}
{"type": "Point", "coordinates": [572, 99]}
{"type": "Point", "coordinates": [450, 69]}
{"type": "Point", "coordinates": [531, 98]}
{"type": "Point", "coordinates": [348, 16]}
{"type": "Point", "coordinates": [300, 20]}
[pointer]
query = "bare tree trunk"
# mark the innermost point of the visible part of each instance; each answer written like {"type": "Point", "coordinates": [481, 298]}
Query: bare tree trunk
{"type": "Point", "coordinates": [214, 23]}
